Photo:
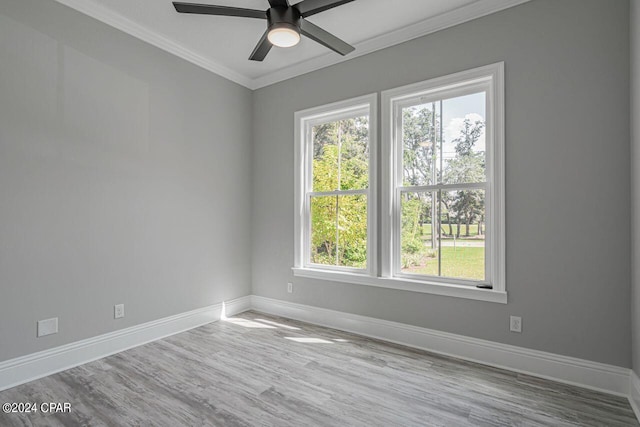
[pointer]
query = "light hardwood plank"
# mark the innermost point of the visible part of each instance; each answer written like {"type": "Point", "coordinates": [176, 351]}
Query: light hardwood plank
{"type": "Point", "coordinates": [261, 370]}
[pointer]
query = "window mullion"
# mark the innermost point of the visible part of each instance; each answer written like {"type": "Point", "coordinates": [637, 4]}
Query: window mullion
{"type": "Point", "coordinates": [445, 187]}
{"type": "Point", "coordinates": [337, 230]}
{"type": "Point", "coordinates": [337, 192]}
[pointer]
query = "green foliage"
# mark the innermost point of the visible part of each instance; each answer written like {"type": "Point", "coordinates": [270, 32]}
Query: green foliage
{"type": "Point", "coordinates": [413, 246]}
{"type": "Point", "coordinates": [339, 223]}
{"type": "Point", "coordinates": [469, 134]}
{"type": "Point", "coordinates": [352, 221]}
{"type": "Point", "coordinates": [476, 233]}
{"type": "Point", "coordinates": [325, 169]}
{"type": "Point", "coordinates": [419, 152]}
{"type": "Point", "coordinates": [419, 126]}
{"type": "Point", "coordinates": [323, 229]}
{"type": "Point", "coordinates": [465, 207]}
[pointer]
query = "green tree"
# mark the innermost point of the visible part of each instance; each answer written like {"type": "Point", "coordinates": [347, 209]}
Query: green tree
{"type": "Point", "coordinates": [419, 156]}
{"type": "Point", "coordinates": [419, 152]}
{"type": "Point", "coordinates": [339, 222]}
{"type": "Point", "coordinates": [468, 166]}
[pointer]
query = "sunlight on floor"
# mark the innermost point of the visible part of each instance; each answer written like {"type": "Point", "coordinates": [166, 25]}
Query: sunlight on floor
{"type": "Point", "coordinates": [223, 312]}
{"type": "Point", "coordinates": [259, 323]}
{"type": "Point", "coordinates": [269, 322]}
{"type": "Point", "coordinates": [248, 323]}
{"type": "Point", "coordinates": [305, 340]}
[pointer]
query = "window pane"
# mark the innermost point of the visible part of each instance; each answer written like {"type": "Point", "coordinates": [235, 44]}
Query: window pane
{"type": "Point", "coordinates": [420, 144]}
{"type": "Point", "coordinates": [324, 214]}
{"type": "Point", "coordinates": [444, 141]}
{"type": "Point", "coordinates": [341, 155]}
{"type": "Point", "coordinates": [339, 230]}
{"type": "Point", "coordinates": [419, 234]}
{"type": "Point", "coordinates": [463, 139]}
{"type": "Point", "coordinates": [463, 234]}
{"type": "Point", "coordinates": [443, 234]}
{"type": "Point", "coordinates": [352, 231]}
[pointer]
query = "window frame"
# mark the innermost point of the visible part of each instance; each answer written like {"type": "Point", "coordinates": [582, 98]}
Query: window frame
{"type": "Point", "coordinates": [304, 122]}
{"type": "Point", "coordinates": [398, 188]}
{"type": "Point", "coordinates": [382, 199]}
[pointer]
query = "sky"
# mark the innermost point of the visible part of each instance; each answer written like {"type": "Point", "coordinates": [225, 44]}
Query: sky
{"type": "Point", "coordinates": [455, 111]}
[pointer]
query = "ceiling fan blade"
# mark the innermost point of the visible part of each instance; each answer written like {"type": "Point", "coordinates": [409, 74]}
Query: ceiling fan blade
{"type": "Point", "coordinates": [262, 48]}
{"type": "Point", "coordinates": [279, 3]}
{"type": "Point", "coordinates": [325, 38]}
{"type": "Point", "coordinates": [311, 7]}
{"type": "Point", "coordinates": [206, 9]}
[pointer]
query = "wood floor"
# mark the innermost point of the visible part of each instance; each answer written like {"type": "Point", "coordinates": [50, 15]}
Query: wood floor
{"type": "Point", "coordinates": [259, 370]}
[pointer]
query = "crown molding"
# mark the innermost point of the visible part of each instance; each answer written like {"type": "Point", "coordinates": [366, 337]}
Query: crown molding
{"type": "Point", "coordinates": [143, 33]}
{"type": "Point", "coordinates": [414, 31]}
{"type": "Point", "coordinates": [455, 17]}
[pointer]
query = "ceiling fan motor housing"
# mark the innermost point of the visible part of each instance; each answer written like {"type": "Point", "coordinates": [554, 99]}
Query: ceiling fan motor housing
{"type": "Point", "coordinates": [284, 17]}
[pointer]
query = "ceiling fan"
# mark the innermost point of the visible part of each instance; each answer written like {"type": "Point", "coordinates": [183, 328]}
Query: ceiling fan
{"type": "Point", "coordinates": [285, 23]}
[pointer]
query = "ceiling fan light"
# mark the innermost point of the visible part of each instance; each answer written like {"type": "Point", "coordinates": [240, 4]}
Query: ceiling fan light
{"type": "Point", "coordinates": [283, 36]}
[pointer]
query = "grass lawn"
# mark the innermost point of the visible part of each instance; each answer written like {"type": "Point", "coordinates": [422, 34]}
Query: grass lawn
{"type": "Point", "coordinates": [462, 263]}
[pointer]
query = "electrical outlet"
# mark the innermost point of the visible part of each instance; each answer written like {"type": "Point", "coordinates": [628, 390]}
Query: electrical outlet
{"type": "Point", "coordinates": [47, 327]}
{"type": "Point", "coordinates": [118, 311]}
{"type": "Point", "coordinates": [290, 287]}
{"type": "Point", "coordinates": [515, 324]}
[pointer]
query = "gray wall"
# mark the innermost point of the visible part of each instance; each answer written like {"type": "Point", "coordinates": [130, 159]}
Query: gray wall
{"type": "Point", "coordinates": [567, 177]}
{"type": "Point", "coordinates": [116, 165]}
{"type": "Point", "coordinates": [116, 160]}
{"type": "Point", "coordinates": [635, 184]}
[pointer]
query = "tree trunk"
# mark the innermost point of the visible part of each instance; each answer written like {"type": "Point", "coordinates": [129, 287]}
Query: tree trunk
{"type": "Point", "coordinates": [327, 247]}
{"type": "Point", "coordinates": [416, 223]}
{"type": "Point", "coordinates": [466, 227]}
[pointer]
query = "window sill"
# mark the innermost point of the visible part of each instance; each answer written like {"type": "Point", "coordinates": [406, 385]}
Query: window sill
{"type": "Point", "coordinates": [435, 288]}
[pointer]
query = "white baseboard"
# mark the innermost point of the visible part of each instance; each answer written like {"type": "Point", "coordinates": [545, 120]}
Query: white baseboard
{"type": "Point", "coordinates": [597, 376]}
{"type": "Point", "coordinates": [634, 393]}
{"type": "Point", "coordinates": [583, 373]}
{"type": "Point", "coordinates": [27, 368]}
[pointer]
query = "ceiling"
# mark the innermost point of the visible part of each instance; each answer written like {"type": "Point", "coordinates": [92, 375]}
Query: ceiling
{"type": "Point", "coordinates": [222, 44]}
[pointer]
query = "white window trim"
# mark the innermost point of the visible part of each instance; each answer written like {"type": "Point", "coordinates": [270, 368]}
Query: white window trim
{"type": "Point", "coordinates": [381, 274]}
{"type": "Point", "coordinates": [491, 78]}
{"type": "Point", "coordinates": [304, 120]}
{"type": "Point", "coordinates": [451, 290]}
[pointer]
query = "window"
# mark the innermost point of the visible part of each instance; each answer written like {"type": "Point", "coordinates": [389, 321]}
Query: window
{"type": "Point", "coordinates": [335, 147]}
{"type": "Point", "coordinates": [442, 188]}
